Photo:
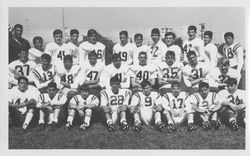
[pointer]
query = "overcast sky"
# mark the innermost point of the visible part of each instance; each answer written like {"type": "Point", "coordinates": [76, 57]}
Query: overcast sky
{"type": "Point", "coordinates": [109, 21]}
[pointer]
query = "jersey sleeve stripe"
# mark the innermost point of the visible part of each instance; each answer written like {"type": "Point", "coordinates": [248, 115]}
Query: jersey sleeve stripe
{"type": "Point", "coordinates": [59, 96]}
{"type": "Point", "coordinates": [236, 47]}
{"type": "Point", "coordinates": [93, 98]}
{"type": "Point", "coordinates": [36, 73]}
{"type": "Point", "coordinates": [76, 99]}
{"type": "Point", "coordinates": [166, 96]}
{"type": "Point", "coordinates": [105, 95]}
{"type": "Point", "coordinates": [197, 98]}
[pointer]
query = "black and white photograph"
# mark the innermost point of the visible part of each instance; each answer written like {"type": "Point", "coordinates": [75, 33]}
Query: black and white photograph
{"type": "Point", "coordinates": [134, 77]}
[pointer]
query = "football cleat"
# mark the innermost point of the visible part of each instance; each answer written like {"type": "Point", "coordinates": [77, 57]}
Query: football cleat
{"type": "Point", "coordinates": [206, 125]}
{"type": "Point", "coordinates": [53, 126]}
{"type": "Point", "coordinates": [111, 127]}
{"type": "Point", "coordinates": [215, 124]}
{"type": "Point", "coordinates": [234, 125]}
{"type": "Point", "coordinates": [191, 127]}
{"type": "Point", "coordinates": [83, 127]}
{"type": "Point", "coordinates": [124, 126]}
{"type": "Point", "coordinates": [137, 127]}
{"type": "Point", "coordinates": [159, 126]}
{"type": "Point", "coordinates": [41, 127]}
{"type": "Point", "coordinates": [68, 127]}
{"type": "Point", "coordinates": [171, 128]}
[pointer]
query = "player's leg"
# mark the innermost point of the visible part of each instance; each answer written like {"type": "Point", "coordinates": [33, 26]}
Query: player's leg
{"type": "Point", "coordinates": [41, 122]}
{"type": "Point", "coordinates": [111, 117]}
{"type": "Point", "coordinates": [28, 118]}
{"type": "Point", "coordinates": [123, 120]}
{"type": "Point", "coordinates": [87, 118]}
{"type": "Point", "coordinates": [55, 116]}
{"type": "Point", "coordinates": [230, 118]}
{"type": "Point", "coordinates": [146, 115]}
{"type": "Point", "coordinates": [136, 115]}
{"type": "Point", "coordinates": [215, 123]}
{"type": "Point", "coordinates": [71, 116]}
{"type": "Point", "coordinates": [204, 121]}
{"type": "Point", "coordinates": [190, 117]}
{"type": "Point", "coordinates": [158, 123]}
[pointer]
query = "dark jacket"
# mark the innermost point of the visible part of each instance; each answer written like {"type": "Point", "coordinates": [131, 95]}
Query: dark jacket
{"type": "Point", "coordinates": [15, 47]}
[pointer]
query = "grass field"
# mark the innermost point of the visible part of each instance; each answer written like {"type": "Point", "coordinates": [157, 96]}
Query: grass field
{"type": "Point", "coordinates": [98, 137]}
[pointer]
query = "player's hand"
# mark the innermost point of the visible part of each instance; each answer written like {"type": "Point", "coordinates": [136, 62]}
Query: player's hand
{"type": "Point", "coordinates": [174, 113]}
{"type": "Point", "coordinates": [233, 107]}
{"type": "Point", "coordinates": [158, 108]}
{"type": "Point", "coordinates": [122, 108]}
{"type": "Point", "coordinates": [81, 107]}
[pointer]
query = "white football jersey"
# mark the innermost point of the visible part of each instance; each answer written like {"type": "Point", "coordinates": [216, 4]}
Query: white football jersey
{"type": "Point", "coordinates": [200, 102]}
{"type": "Point", "coordinates": [215, 77]}
{"type": "Point", "coordinates": [150, 101]}
{"type": "Point", "coordinates": [126, 52]}
{"type": "Point", "coordinates": [141, 73]}
{"type": "Point", "coordinates": [86, 47]}
{"type": "Point", "coordinates": [234, 53]}
{"type": "Point", "coordinates": [21, 68]}
{"type": "Point", "coordinates": [211, 52]}
{"type": "Point", "coordinates": [238, 97]}
{"type": "Point", "coordinates": [34, 54]}
{"type": "Point", "coordinates": [42, 78]}
{"type": "Point", "coordinates": [136, 52]}
{"type": "Point", "coordinates": [108, 98]}
{"type": "Point", "coordinates": [176, 49]}
{"type": "Point", "coordinates": [72, 49]}
{"type": "Point", "coordinates": [17, 97]}
{"type": "Point", "coordinates": [192, 73]}
{"type": "Point", "coordinates": [58, 99]}
{"type": "Point", "coordinates": [110, 71]}
{"type": "Point", "coordinates": [68, 76]}
{"type": "Point", "coordinates": [77, 100]}
{"type": "Point", "coordinates": [157, 52]}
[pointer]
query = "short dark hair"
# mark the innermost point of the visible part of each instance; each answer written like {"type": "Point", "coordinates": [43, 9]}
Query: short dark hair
{"type": "Point", "coordinates": [231, 81]}
{"type": "Point", "coordinates": [142, 53]}
{"type": "Point", "coordinates": [224, 61]}
{"type": "Point", "coordinates": [170, 33]}
{"type": "Point", "coordinates": [203, 84]}
{"type": "Point", "coordinates": [155, 31]}
{"type": "Point", "coordinates": [57, 31]}
{"type": "Point", "coordinates": [115, 56]}
{"type": "Point", "coordinates": [145, 83]}
{"type": "Point", "coordinates": [191, 53]}
{"type": "Point", "coordinates": [91, 31]}
{"type": "Point", "coordinates": [192, 27]}
{"type": "Point", "coordinates": [22, 78]}
{"type": "Point", "coordinates": [74, 31]}
{"type": "Point", "coordinates": [124, 32]}
{"type": "Point", "coordinates": [138, 35]}
{"type": "Point", "coordinates": [228, 34]}
{"type": "Point", "coordinates": [115, 79]}
{"type": "Point", "coordinates": [92, 53]}
{"type": "Point", "coordinates": [170, 52]}
{"type": "Point", "coordinates": [208, 33]}
{"type": "Point", "coordinates": [175, 83]}
{"type": "Point", "coordinates": [52, 84]}
{"type": "Point", "coordinates": [83, 87]}
{"type": "Point", "coordinates": [46, 56]}
{"type": "Point", "coordinates": [18, 26]}
{"type": "Point", "coordinates": [68, 57]}
{"type": "Point", "coordinates": [37, 38]}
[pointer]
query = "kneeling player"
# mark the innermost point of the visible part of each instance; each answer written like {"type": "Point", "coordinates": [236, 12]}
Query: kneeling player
{"type": "Point", "coordinates": [233, 102]}
{"type": "Point", "coordinates": [83, 104]}
{"type": "Point", "coordinates": [114, 102]}
{"type": "Point", "coordinates": [205, 105]}
{"type": "Point", "coordinates": [175, 110]}
{"type": "Point", "coordinates": [52, 102]}
{"type": "Point", "coordinates": [145, 106]}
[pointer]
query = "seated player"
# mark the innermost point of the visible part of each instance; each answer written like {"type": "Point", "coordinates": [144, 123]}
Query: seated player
{"type": "Point", "coordinates": [22, 102]}
{"type": "Point", "coordinates": [218, 76]}
{"type": "Point", "coordinates": [206, 107]}
{"type": "Point", "coordinates": [114, 103]}
{"type": "Point", "coordinates": [36, 52]}
{"type": "Point", "coordinates": [50, 103]}
{"type": "Point", "coordinates": [19, 68]}
{"type": "Point", "coordinates": [43, 73]}
{"type": "Point", "coordinates": [67, 77]}
{"type": "Point", "coordinates": [83, 105]}
{"type": "Point", "coordinates": [194, 72]}
{"type": "Point", "coordinates": [175, 109]}
{"type": "Point", "coordinates": [233, 102]}
{"type": "Point", "coordinates": [146, 107]}
{"type": "Point", "coordinates": [116, 68]}
{"type": "Point", "coordinates": [143, 71]}
{"type": "Point", "coordinates": [169, 71]}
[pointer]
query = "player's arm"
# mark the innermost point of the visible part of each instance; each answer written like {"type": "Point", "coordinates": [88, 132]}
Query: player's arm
{"type": "Point", "coordinates": [38, 80]}
{"type": "Point", "coordinates": [105, 106]}
{"type": "Point", "coordinates": [240, 59]}
{"type": "Point", "coordinates": [13, 75]}
{"type": "Point", "coordinates": [94, 102]}
{"type": "Point", "coordinates": [134, 104]}
{"type": "Point", "coordinates": [126, 80]}
{"type": "Point", "coordinates": [213, 56]}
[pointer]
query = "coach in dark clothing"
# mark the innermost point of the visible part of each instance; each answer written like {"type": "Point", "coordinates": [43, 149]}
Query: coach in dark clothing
{"type": "Point", "coordinates": [16, 43]}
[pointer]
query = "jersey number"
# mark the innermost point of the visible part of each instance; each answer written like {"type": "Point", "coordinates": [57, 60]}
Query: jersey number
{"type": "Point", "coordinates": [154, 50]}
{"type": "Point", "coordinates": [61, 54]}
{"type": "Point", "coordinates": [170, 74]}
{"type": "Point", "coordinates": [18, 101]}
{"type": "Point", "coordinates": [92, 75]}
{"type": "Point", "coordinates": [148, 101]}
{"type": "Point", "coordinates": [187, 48]}
{"type": "Point", "coordinates": [117, 100]}
{"type": "Point", "coordinates": [229, 53]}
{"type": "Point", "coordinates": [47, 76]}
{"type": "Point", "coordinates": [23, 69]}
{"type": "Point", "coordinates": [124, 55]}
{"type": "Point", "coordinates": [142, 75]}
{"type": "Point", "coordinates": [197, 73]}
{"type": "Point", "coordinates": [180, 103]}
{"type": "Point", "coordinates": [67, 78]}
{"type": "Point", "coordinates": [223, 79]}
{"type": "Point", "coordinates": [236, 101]}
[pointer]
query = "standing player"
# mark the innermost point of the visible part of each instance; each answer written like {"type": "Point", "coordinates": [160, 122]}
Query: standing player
{"type": "Point", "coordinates": [169, 38]}
{"type": "Point", "coordinates": [50, 102]}
{"type": "Point", "coordinates": [124, 48]}
{"type": "Point", "coordinates": [233, 51]}
{"type": "Point", "coordinates": [138, 39]}
{"type": "Point", "coordinates": [43, 73]}
{"type": "Point", "coordinates": [233, 102]}
{"type": "Point", "coordinates": [146, 107]}
{"type": "Point", "coordinates": [194, 43]}
{"type": "Point", "coordinates": [158, 48]}
{"type": "Point", "coordinates": [116, 68]}
{"type": "Point", "coordinates": [169, 71]}
{"type": "Point", "coordinates": [83, 105]}
{"type": "Point", "coordinates": [73, 45]}
{"type": "Point", "coordinates": [20, 67]}
{"type": "Point", "coordinates": [36, 52]}
{"type": "Point", "coordinates": [210, 49]}
{"type": "Point", "coordinates": [218, 76]}
{"type": "Point", "coordinates": [22, 102]}
{"type": "Point", "coordinates": [143, 71]}
{"type": "Point", "coordinates": [205, 105]}
{"type": "Point", "coordinates": [91, 45]}
{"type": "Point", "coordinates": [114, 103]}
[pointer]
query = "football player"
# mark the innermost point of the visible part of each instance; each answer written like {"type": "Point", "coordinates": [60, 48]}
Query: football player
{"type": "Point", "coordinates": [138, 39]}
{"type": "Point", "coordinates": [194, 72]}
{"type": "Point", "coordinates": [83, 105]}
{"type": "Point", "coordinates": [169, 38]}
{"type": "Point", "coordinates": [195, 44]}
{"type": "Point", "coordinates": [210, 49]}
{"type": "Point", "coordinates": [43, 73]}
{"type": "Point", "coordinates": [176, 110]}
{"type": "Point", "coordinates": [233, 102]}
{"type": "Point", "coordinates": [125, 49]}
{"type": "Point", "coordinates": [116, 68]}
{"type": "Point", "coordinates": [169, 71]}
{"type": "Point", "coordinates": [205, 105]}
{"type": "Point", "coordinates": [218, 76]}
{"type": "Point", "coordinates": [158, 48]}
{"type": "Point", "coordinates": [233, 51]}
{"type": "Point", "coordinates": [22, 102]}
{"type": "Point", "coordinates": [91, 45]}
{"type": "Point", "coordinates": [146, 107]}
{"type": "Point", "coordinates": [36, 52]}
{"type": "Point", "coordinates": [20, 67]}
{"type": "Point", "coordinates": [51, 103]}
{"type": "Point", "coordinates": [143, 71]}
{"type": "Point", "coordinates": [114, 103]}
